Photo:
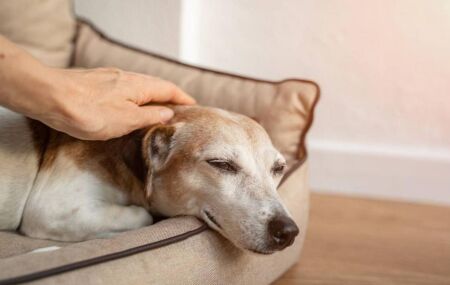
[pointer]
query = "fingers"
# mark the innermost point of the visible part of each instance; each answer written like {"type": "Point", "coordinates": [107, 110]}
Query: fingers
{"type": "Point", "coordinates": [161, 91]}
{"type": "Point", "coordinates": [180, 97]}
{"type": "Point", "coordinates": [149, 115]}
{"type": "Point", "coordinates": [171, 93]}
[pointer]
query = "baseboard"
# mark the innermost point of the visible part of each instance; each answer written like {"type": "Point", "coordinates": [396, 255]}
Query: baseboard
{"type": "Point", "coordinates": [386, 172]}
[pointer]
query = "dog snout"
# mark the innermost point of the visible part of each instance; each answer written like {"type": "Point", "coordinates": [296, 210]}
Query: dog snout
{"type": "Point", "coordinates": [282, 231]}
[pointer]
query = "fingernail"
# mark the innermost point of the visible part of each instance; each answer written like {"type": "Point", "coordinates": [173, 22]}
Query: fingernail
{"type": "Point", "coordinates": [165, 114]}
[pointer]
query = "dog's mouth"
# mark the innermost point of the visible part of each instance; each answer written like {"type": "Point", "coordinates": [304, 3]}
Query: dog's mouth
{"type": "Point", "coordinates": [214, 224]}
{"type": "Point", "coordinates": [209, 217]}
{"type": "Point", "coordinates": [260, 251]}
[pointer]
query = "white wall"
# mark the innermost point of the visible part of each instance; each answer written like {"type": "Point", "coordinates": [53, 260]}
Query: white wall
{"type": "Point", "coordinates": [147, 24]}
{"type": "Point", "coordinates": [383, 126]}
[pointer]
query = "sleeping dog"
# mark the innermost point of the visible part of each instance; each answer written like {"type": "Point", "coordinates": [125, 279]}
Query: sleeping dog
{"type": "Point", "coordinates": [216, 165]}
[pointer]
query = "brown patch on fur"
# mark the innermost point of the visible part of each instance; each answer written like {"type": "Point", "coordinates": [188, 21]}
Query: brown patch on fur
{"type": "Point", "coordinates": [105, 159]}
{"type": "Point", "coordinates": [133, 154]}
{"type": "Point", "coordinates": [40, 135]}
{"type": "Point", "coordinates": [102, 158]}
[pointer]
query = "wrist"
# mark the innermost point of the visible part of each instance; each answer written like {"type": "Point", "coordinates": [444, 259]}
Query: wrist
{"type": "Point", "coordinates": [53, 98]}
{"type": "Point", "coordinates": [31, 88]}
{"type": "Point", "coordinates": [26, 84]}
{"type": "Point", "coordinates": [43, 94]}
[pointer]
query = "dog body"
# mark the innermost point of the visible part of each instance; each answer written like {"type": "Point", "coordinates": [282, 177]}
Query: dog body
{"type": "Point", "coordinates": [74, 198]}
{"type": "Point", "coordinates": [218, 166]}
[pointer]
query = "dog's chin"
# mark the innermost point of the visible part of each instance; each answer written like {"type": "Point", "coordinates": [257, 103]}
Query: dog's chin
{"type": "Point", "coordinates": [261, 251]}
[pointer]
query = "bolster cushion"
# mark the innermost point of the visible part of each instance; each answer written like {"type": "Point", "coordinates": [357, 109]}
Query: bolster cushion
{"type": "Point", "coordinates": [282, 108]}
{"type": "Point", "coordinates": [45, 29]}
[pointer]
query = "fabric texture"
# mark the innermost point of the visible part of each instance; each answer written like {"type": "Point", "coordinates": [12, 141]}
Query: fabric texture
{"type": "Point", "coordinates": [18, 167]}
{"type": "Point", "coordinates": [284, 109]}
{"type": "Point", "coordinates": [45, 29]}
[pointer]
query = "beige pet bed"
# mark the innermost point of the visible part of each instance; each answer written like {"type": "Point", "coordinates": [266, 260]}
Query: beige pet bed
{"type": "Point", "coordinates": [179, 250]}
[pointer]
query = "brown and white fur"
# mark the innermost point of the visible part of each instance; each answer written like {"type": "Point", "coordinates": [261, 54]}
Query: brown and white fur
{"type": "Point", "coordinates": [216, 165]}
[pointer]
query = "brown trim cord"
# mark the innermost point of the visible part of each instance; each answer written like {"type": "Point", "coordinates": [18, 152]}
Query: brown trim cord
{"type": "Point", "coordinates": [100, 259]}
{"type": "Point", "coordinates": [302, 151]}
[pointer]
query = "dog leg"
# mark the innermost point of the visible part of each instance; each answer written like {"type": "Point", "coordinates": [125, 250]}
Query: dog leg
{"type": "Point", "coordinates": [101, 220]}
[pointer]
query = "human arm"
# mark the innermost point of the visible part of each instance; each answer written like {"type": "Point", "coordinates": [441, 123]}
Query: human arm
{"type": "Point", "coordinates": [93, 104]}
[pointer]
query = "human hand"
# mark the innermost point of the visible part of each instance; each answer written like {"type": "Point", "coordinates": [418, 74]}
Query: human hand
{"type": "Point", "coordinates": [91, 104]}
{"type": "Point", "coordinates": [103, 103]}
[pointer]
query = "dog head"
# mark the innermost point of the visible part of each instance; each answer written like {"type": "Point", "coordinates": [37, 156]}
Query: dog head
{"type": "Point", "coordinates": [222, 168]}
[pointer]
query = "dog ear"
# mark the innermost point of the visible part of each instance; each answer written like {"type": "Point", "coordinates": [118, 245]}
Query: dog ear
{"type": "Point", "coordinates": [156, 147]}
{"type": "Point", "coordinates": [133, 156]}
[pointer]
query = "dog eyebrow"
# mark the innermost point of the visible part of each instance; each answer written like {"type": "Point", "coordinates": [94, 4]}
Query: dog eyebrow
{"type": "Point", "coordinates": [227, 155]}
{"type": "Point", "coordinates": [279, 163]}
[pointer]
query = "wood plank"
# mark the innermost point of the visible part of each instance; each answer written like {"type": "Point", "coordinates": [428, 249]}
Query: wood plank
{"type": "Point", "coordinates": [363, 241]}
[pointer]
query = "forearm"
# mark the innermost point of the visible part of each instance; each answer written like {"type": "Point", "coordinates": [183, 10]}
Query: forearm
{"type": "Point", "coordinates": [26, 85]}
{"type": "Point", "coordinates": [88, 104]}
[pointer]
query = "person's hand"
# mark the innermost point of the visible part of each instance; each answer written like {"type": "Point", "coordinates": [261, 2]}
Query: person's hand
{"type": "Point", "coordinates": [98, 104]}
{"type": "Point", "coordinates": [91, 104]}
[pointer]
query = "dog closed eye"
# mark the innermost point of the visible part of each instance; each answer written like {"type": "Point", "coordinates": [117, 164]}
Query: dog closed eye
{"type": "Point", "coordinates": [224, 165]}
{"type": "Point", "coordinates": [278, 168]}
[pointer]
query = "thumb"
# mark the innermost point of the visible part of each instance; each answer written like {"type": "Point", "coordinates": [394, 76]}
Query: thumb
{"type": "Point", "coordinates": [151, 115]}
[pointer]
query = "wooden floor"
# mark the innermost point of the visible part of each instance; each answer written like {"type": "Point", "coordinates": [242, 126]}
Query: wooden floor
{"type": "Point", "coordinates": [360, 241]}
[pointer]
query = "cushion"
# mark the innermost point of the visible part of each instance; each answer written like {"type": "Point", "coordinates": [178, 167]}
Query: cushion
{"type": "Point", "coordinates": [180, 250]}
{"type": "Point", "coordinates": [45, 29]}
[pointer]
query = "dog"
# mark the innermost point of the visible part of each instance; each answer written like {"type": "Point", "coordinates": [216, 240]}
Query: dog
{"type": "Point", "coordinates": [209, 163]}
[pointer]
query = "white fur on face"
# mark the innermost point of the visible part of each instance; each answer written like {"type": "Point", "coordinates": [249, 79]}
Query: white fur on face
{"type": "Point", "coordinates": [244, 202]}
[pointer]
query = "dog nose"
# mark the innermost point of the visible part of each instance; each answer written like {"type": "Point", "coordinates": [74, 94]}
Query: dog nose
{"type": "Point", "coordinates": [283, 231]}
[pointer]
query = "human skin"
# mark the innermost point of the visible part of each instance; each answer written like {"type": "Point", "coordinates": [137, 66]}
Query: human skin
{"type": "Point", "coordinates": [89, 104]}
